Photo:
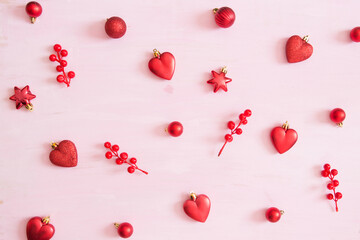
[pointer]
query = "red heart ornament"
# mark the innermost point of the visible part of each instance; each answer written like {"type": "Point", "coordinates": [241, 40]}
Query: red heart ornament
{"type": "Point", "coordinates": [298, 49]}
{"type": "Point", "coordinates": [162, 64]}
{"type": "Point", "coordinates": [39, 229]}
{"type": "Point", "coordinates": [64, 154]}
{"type": "Point", "coordinates": [283, 138]}
{"type": "Point", "coordinates": [197, 207]}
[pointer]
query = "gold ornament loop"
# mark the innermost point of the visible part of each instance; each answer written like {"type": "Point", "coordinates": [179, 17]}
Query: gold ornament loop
{"type": "Point", "coordinates": [192, 196]}
{"type": "Point", "coordinates": [117, 225]}
{"type": "Point", "coordinates": [215, 10]}
{"type": "Point", "coordinates": [156, 53]}
{"type": "Point", "coordinates": [340, 124]}
{"type": "Point", "coordinates": [54, 145]}
{"type": "Point", "coordinates": [224, 70]}
{"type": "Point", "coordinates": [46, 220]}
{"type": "Point", "coordinates": [285, 125]}
{"type": "Point", "coordinates": [282, 212]}
{"type": "Point", "coordinates": [306, 38]}
{"type": "Point", "coordinates": [29, 107]}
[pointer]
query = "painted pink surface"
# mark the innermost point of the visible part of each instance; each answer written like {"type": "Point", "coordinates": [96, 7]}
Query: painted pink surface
{"type": "Point", "coordinates": [115, 97]}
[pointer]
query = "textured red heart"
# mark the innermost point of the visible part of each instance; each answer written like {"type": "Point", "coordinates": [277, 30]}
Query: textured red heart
{"type": "Point", "coordinates": [163, 66]}
{"type": "Point", "coordinates": [64, 154]}
{"type": "Point", "coordinates": [283, 139]}
{"type": "Point", "coordinates": [199, 208]}
{"type": "Point", "coordinates": [39, 229]}
{"type": "Point", "coordinates": [297, 49]}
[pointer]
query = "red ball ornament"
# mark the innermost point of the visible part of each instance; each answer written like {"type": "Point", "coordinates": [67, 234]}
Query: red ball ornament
{"type": "Point", "coordinates": [298, 49]}
{"type": "Point", "coordinates": [338, 115]}
{"type": "Point", "coordinates": [224, 17]}
{"type": "Point", "coordinates": [273, 214]}
{"type": "Point", "coordinates": [355, 34]}
{"type": "Point", "coordinates": [283, 138]}
{"type": "Point", "coordinates": [162, 64]}
{"type": "Point", "coordinates": [39, 228]}
{"type": "Point", "coordinates": [125, 230]}
{"type": "Point", "coordinates": [115, 27]}
{"type": "Point", "coordinates": [175, 129]}
{"type": "Point", "coordinates": [64, 154]}
{"type": "Point", "coordinates": [34, 10]}
{"type": "Point", "coordinates": [22, 97]}
{"type": "Point", "coordinates": [197, 207]}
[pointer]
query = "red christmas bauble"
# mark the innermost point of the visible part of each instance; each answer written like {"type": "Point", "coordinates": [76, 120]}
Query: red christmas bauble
{"type": "Point", "coordinates": [355, 34]}
{"type": "Point", "coordinates": [197, 207]}
{"type": "Point", "coordinates": [125, 230]}
{"type": "Point", "coordinates": [162, 64]}
{"type": "Point", "coordinates": [337, 115]}
{"type": "Point", "coordinates": [224, 17]}
{"type": "Point", "coordinates": [34, 10]}
{"type": "Point", "coordinates": [115, 27]}
{"type": "Point", "coordinates": [298, 49]}
{"type": "Point", "coordinates": [175, 129]}
{"type": "Point", "coordinates": [283, 138]}
{"type": "Point", "coordinates": [39, 228]}
{"type": "Point", "coordinates": [64, 154]}
{"type": "Point", "coordinates": [273, 214]}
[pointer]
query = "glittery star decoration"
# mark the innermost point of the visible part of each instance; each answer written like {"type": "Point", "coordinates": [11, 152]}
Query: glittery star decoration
{"type": "Point", "coordinates": [219, 80]}
{"type": "Point", "coordinates": [23, 97]}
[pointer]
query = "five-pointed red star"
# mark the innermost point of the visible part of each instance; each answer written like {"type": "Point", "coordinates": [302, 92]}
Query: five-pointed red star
{"type": "Point", "coordinates": [22, 97]}
{"type": "Point", "coordinates": [219, 80]}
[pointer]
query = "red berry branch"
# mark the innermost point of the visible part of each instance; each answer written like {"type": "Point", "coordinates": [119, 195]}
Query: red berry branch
{"type": "Point", "coordinates": [235, 130]}
{"type": "Point", "coordinates": [121, 158]}
{"type": "Point", "coordinates": [60, 53]}
{"type": "Point", "coordinates": [333, 184]}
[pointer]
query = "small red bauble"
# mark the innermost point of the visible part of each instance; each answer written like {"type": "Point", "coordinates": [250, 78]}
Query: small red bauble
{"type": "Point", "coordinates": [298, 49]}
{"type": "Point", "coordinates": [125, 230]}
{"type": "Point", "coordinates": [355, 34]}
{"type": "Point", "coordinates": [162, 64]}
{"type": "Point", "coordinates": [338, 115]}
{"type": "Point", "coordinates": [273, 214]}
{"type": "Point", "coordinates": [224, 17]}
{"type": "Point", "coordinates": [22, 97]}
{"type": "Point", "coordinates": [283, 138]}
{"type": "Point", "coordinates": [34, 10]}
{"type": "Point", "coordinates": [39, 228]}
{"type": "Point", "coordinates": [197, 207]}
{"type": "Point", "coordinates": [115, 27]}
{"type": "Point", "coordinates": [64, 154]}
{"type": "Point", "coordinates": [175, 129]}
{"type": "Point", "coordinates": [219, 80]}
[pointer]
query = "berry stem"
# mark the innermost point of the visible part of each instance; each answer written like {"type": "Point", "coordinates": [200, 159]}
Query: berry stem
{"type": "Point", "coordinates": [66, 80]}
{"type": "Point", "coordinates": [232, 133]}
{"type": "Point", "coordinates": [331, 177]}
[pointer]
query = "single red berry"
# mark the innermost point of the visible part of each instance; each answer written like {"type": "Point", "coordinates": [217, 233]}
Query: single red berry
{"type": "Point", "coordinates": [64, 53]}
{"type": "Point", "coordinates": [330, 196]}
{"type": "Point", "coordinates": [247, 113]}
{"type": "Point", "coordinates": [119, 161]}
{"type": "Point", "coordinates": [338, 195]}
{"type": "Point", "coordinates": [123, 156]}
{"type": "Point", "coordinates": [327, 167]}
{"type": "Point", "coordinates": [133, 160]}
{"type": "Point", "coordinates": [71, 74]}
{"type": "Point", "coordinates": [115, 148]}
{"type": "Point", "coordinates": [108, 155]}
{"type": "Point", "coordinates": [228, 138]}
{"type": "Point", "coordinates": [355, 34]}
{"type": "Point", "coordinates": [59, 68]}
{"type": "Point", "coordinates": [131, 169]}
{"type": "Point", "coordinates": [231, 125]}
{"type": "Point", "coordinates": [336, 183]}
{"type": "Point", "coordinates": [238, 131]}
{"type": "Point", "coordinates": [325, 173]}
{"type": "Point", "coordinates": [57, 47]}
{"type": "Point", "coordinates": [63, 63]}
{"type": "Point", "coordinates": [244, 122]}
{"type": "Point", "coordinates": [107, 144]}
{"type": "Point", "coordinates": [60, 78]}
{"type": "Point", "coordinates": [330, 186]}
{"type": "Point", "coordinates": [242, 117]}
{"type": "Point", "coordinates": [52, 57]}
{"type": "Point", "coordinates": [334, 172]}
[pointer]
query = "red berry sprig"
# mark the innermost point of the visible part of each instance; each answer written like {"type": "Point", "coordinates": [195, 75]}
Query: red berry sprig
{"type": "Point", "coordinates": [60, 53]}
{"type": "Point", "coordinates": [235, 130]}
{"type": "Point", "coordinates": [121, 158]}
{"type": "Point", "coordinates": [331, 173]}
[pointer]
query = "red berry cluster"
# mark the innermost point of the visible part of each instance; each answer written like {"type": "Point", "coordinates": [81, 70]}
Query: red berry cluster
{"type": "Point", "coordinates": [235, 130]}
{"type": "Point", "coordinates": [122, 158]}
{"type": "Point", "coordinates": [331, 173]}
{"type": "Point", "coordinates": [60, 53]}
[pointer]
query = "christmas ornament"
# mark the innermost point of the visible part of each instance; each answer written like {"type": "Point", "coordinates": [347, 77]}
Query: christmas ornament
{"type": "Point", "coordinates": [197, 207]}
{"type": "Point", "coordinates": [283, 137]}
{"type": "Point", "coordinates": [22, 97]}
{"type": "Point", "coordinates": [175, 129]}
{"type": "Point", "coordinates": [125, 230]}
{"type": "Point", "coordinates": [224, 17]}
{"type": "Point", "coordinates": [273, 214]}
{"type": "Point", "coordinates": [219, 80]}
{"type": "Point", "coordinates": [39, 228]}
{"type": "Point", "coordinates": [298, 49]}
{"type": "Point", "coordinates": [162, 64]}
{"type": "Point", "coordinates": [235, 130]}
{"type": "Point", "coordinates": [331, 173]}
{"type": "Point", "coordinates": [64, 154]}
{"type": "Point", "coordinates": [338, 115]}
{"type": "Point", "coordinates": [34, 10]}
{"type": "Point", "coordinates": [115, 27]}
{"type": "Point", "coordinates": [122, 158]}
{"type": "Point", "coordinates": [62, 64]}
{"type": "Point", "coordinates": [355, 34]}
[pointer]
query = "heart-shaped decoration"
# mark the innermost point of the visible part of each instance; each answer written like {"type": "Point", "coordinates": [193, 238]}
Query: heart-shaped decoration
{"type": "Point", "coordinates": [298, 49]}
{"type": "Point", "coordinates": [197, 207]}
{"type": "Point", "coordinates": [283, 138]}
{"type": "Point", "coordinates": [64, 154]}
{"type": "Point", "coordinates": [162, 64]}
{"type": "Point", "coordinates": [39, 229]}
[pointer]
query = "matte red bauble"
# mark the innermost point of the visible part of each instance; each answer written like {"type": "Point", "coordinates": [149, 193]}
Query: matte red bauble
{"type": "Point", "coordinates": [115, 27]}
{"type": "Point", "coordinates": [273, 214]}
{"type": "Point", "coordinates": [355, 34]}
{"type": "Point", "coordinates": [162, 64]}
{"type": "Point", "coordinates": [175, 129]}
{"type": "Point", "coordinates": [64, 154]}
{"type": "Point", "coordinates": [34, 10]}
{"type": "Point", "coordinates": [39, 228]}
{"type": "Point", "coordinates": [338, 115]}
{"type": "Point", "coordinates": [125, 230]}
{"type": "Point", "coordinates": [298, 49]}
{"type": "Point", "coordinates": [197, 207]}
{"type": "Point", "coordinates": [283, 138]}
{"type": "Point", "coordinates": [224, 17]}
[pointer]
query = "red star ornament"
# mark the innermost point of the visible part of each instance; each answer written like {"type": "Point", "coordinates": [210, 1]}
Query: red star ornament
{"type": "Point", "coordinates": [219, 80]}
{"type": "Point", "coordinates": [23, 97]}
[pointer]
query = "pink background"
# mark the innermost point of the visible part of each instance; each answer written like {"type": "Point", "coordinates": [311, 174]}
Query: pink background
{"type": "Point", "coordinates": [115, 98]}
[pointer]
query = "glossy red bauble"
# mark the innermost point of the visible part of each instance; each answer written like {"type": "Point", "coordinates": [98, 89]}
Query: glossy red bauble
{"type": "Point", "coordinates": [22, 97]}
{"type": "Point", "coordinates": [125, 230]}
{"type": "Point", "coordinates": [175, 129]}
{"type": "Point", "coordinates": [64, 154]}
{"type": "Point", "coordinates": [355, 34]}
{"type": "Point", "coordinates": [197, 207]}
{"type": "Point", "coordinates": [283, 138]}
{"type": "Point", "coordinates": [298, 49]}
{"type": "Point", "coordinates": [224, 17]}
{"type": "Point", "coordinates": [115, 27]}
{"type": "Point", "coordinates": [34, 10]}
{"type": "Point", "coordinates": [337, 115]}
{"type": "Point", "coordinates": [39, 228]}
{"type": "Point", "coordinates": [162, 64]}
{"type": "Point", "coordinates": [273, 214]}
